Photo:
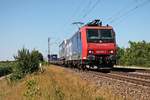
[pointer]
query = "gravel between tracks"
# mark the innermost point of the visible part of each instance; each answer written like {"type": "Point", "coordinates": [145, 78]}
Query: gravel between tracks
{"type": "Point", "coordinates": [126, 90]}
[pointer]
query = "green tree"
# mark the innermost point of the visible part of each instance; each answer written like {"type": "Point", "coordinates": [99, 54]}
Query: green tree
{"type": "Point", "coordinates": [138, 54]}
{"type": "Point", "coordinates": [120, 54]}
{"type": "Point", "coordinates": [27, 62]}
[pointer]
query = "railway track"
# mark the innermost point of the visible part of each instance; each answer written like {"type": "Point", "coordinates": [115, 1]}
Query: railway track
{"type": "Point", "coordinates": [143, 71]}
{"type": "Point", "coordinates": [124, 78]}
{"type": "Point", "coordinates": [134, 75]}
{"type": "Point", "coordinates": [137, 79]}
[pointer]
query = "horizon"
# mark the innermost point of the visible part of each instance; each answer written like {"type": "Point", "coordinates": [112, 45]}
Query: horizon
{"type": "Point", "coordinates": [29, 23]}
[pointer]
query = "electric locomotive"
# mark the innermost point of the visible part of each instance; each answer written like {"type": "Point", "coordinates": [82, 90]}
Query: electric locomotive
{"type": "Point", "coordinates": [92, 45]}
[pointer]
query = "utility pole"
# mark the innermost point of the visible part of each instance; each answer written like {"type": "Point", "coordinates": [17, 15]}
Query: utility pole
{"type": "Point", "coordinates": [49, 49]}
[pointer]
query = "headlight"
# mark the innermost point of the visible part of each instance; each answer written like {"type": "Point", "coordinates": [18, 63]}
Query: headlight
{"type": "Point", "coordinates": [90, 51]}
{"type": "Point", "coordinates": [111, 51]}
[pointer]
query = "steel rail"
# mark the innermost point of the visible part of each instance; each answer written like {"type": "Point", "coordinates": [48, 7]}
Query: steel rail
{"type": "Point", "coordinates": [123, 78]}
{"type": "Point", "coordinates": [136, 75]}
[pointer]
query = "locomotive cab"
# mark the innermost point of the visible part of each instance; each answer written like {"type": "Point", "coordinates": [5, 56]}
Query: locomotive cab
{"type": "Point", "coordinates": [100, 46]}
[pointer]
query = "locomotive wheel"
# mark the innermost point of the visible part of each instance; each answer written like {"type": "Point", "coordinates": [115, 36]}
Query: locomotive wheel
{"type": "Point", "coordinates": [83, 67]}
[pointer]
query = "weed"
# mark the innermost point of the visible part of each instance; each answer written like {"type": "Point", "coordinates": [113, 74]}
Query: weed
{"type": "Point", "coordinates": [32, 89]}
{"type": "Point", "coordinates": [99, 98]}
{"type": "Point", "coordinates": [59, 93]}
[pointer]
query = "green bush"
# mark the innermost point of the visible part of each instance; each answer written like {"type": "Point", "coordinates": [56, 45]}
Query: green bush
{"type": "Point", "coordinates": [6, 67]}
{"type": "Point", "coordinates": [26, 63]}
{"type": "Point", "coordinates": [5, 70]}
{"type": "Point", "coordinates": [137, 54]}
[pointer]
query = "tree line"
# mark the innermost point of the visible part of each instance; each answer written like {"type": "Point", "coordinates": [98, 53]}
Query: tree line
{"type": "Point", "coordinates": [137, 54]}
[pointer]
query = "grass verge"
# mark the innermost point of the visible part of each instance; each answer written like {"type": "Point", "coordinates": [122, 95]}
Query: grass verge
{"type": "Point", "coordinates": [54, 83]}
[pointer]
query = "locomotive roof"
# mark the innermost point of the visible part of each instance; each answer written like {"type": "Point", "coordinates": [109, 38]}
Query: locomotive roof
{"type": "Point", "coordinates": [97, 24]}
{"type": "Point", "coordinates": [96, 27]}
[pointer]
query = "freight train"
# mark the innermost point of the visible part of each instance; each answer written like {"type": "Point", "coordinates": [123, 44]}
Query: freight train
{"type": "Point", "coordinates": [92, 45]}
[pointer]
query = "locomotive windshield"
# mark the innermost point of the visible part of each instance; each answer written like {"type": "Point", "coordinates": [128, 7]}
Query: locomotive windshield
{"type": "Point", "coordinates": [97, 35]}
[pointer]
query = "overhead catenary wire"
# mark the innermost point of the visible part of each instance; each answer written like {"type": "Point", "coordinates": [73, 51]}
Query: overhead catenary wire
{"type": "Point", "coordinates": [123, 15]}
{"type": "Point", "coordinates": [120, 11]}
{"type": "Point", "coordinates": [77, 10]}
{"type": "Point", "coordinates": [84, 11]}
{"type": "Point", "coordinates": [87, 7]}
{"type": "Point", "coordinates": [91, 8]}
{"type": "Point", "coordinates": [69, 19]}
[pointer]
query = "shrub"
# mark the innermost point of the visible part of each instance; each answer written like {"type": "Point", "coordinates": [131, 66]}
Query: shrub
{"type": "Point", "coordinates": [6, 67]}
{"type": "Point", "coordinates": [26, 63]}
{"type": "Point", "coordinates": [138, 53]}
{"type": "Point", "coordinates": [5, 70]}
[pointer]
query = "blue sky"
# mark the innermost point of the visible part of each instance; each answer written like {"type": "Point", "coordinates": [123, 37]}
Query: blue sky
{"type": "Point", "coordinates": [28, 23]}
